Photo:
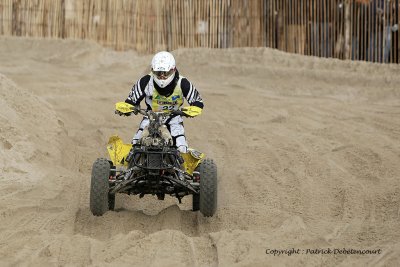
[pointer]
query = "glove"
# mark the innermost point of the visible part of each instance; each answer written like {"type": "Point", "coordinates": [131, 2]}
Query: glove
{"type": "Point", "coordinates": [192, 111]}
{"type": "Point", "coordinates": [136, 109]}
{"type": "Point", "coordinates": [121, 113]}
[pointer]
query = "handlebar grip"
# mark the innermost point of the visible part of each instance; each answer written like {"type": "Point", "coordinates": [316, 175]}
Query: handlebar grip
{"type": "Point", "coordinates": [141, 111]}
{"type": "Point", "coordinates": [122, 113]}
{"type": "Point", "coordinates": [179, 112]}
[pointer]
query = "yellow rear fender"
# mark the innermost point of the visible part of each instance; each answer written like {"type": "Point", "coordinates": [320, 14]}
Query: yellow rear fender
{"type": "Point", "coordinates": [118, 151]}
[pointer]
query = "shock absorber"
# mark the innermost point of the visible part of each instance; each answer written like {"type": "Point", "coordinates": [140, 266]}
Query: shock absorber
{"type": "Point", "coordinates": [196, 176]}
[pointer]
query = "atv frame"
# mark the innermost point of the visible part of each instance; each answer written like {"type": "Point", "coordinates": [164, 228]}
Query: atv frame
{"type": "Point", "coordinates": [153, 166]}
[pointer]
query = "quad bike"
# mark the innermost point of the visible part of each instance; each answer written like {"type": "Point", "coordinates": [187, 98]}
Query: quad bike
{"type": "Point", "coordinates": [153, 166]}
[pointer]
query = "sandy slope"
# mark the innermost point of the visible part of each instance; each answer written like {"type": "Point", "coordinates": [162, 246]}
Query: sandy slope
{"type": "Point", "coordinates": [307, 149]}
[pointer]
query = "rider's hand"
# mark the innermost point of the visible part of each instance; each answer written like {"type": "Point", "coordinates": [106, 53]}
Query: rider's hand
{"type": "Point", "coordinates": [136, 110]}
{"type": "Point", "coordinates": [121, 113]}
{"type": "Point", "coordinates": [188, 116]}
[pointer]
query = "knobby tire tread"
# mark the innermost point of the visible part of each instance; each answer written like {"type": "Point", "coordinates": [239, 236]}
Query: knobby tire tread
{"type": "Point", "coordinates": [208, 187]}
{"type": "Point", "coordinates": [99, 200]}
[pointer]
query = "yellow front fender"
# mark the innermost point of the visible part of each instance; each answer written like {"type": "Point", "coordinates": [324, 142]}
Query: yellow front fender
{"type": "Point", "coordinates": [118, 151]}
{"type": "Point", "coordinates": [192, 159]}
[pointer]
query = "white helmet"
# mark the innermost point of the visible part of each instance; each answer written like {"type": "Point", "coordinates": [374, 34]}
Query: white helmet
{"type": "Point", "coordinates": [163, 68]}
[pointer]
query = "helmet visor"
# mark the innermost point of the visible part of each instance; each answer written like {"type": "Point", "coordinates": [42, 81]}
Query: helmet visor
{"type": "Point", "coordinates": [163, 75]}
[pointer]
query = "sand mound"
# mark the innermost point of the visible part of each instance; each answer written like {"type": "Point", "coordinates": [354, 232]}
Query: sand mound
{"type": "Point", "coordinates": [28, 132]}
{"type": "Point", "coordinates": [307, 152]}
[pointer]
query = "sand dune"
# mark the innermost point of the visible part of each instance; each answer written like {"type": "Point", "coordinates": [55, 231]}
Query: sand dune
{"type": "Point", "coordinates": [307, 150]}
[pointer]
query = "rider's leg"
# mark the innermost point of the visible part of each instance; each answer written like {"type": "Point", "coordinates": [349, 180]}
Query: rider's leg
{"type": "Point", "coordinates": [175, 127]}
{"type": "Point", "coordinates": [178, 135]}
{"type": "Point", "coordinates": [139, 132]}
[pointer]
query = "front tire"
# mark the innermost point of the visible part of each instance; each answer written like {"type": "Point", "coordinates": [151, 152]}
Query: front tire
{"type": "Point", "coordinates": [208, 187]}
{"type": "Point", "coordinates": [99, 187]}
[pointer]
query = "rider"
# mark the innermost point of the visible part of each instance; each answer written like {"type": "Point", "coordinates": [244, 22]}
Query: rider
{"type": "Point", "coordinates": [164, 89]}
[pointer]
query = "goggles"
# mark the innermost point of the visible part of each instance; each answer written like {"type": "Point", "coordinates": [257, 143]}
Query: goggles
{"type": "Point", "coordinates": [163, 75]}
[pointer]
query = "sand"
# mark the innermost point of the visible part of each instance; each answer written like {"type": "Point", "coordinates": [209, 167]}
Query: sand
{"type": "Point", "coordinates": [307, 149]}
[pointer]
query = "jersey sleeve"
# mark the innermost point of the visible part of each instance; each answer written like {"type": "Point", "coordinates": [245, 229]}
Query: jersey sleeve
{"type": "Point", "coordinates": [191, 94]}
{"type": "Point", "coordinates": [137, 93]}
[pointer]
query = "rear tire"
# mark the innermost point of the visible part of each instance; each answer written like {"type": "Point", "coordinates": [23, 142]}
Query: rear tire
{"type": "Point", "coordinates": [111, 197]}
{"type": "Point", "coordinates": [196, 202]}
{"type": "Point", "coordinates": [99, 187]}
{"type": "Point", "coordinates": [196, 197]}
{"type": "Point", "coordinates": [111, 201]}
{"type": "Point", "coordinates": [208, 188]}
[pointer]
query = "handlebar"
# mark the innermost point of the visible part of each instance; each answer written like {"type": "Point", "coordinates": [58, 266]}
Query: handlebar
{"type": "Point", "coordinates": [127, 109]}
{"type": "Point", "coordinates": [145, 112]}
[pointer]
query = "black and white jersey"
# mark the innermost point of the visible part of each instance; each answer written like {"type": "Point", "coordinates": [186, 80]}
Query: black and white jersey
{"type": "Point", "coordinates": [144, 89]}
